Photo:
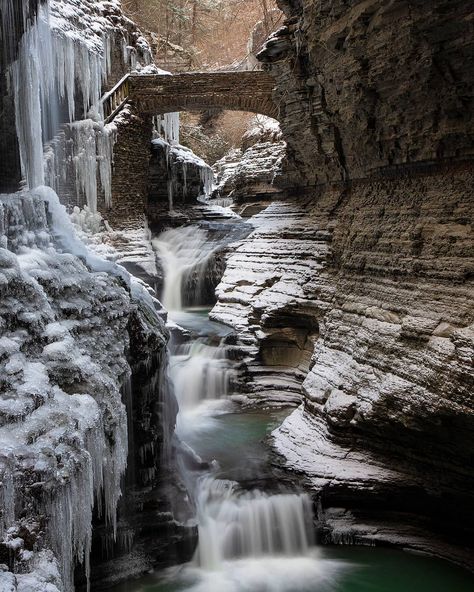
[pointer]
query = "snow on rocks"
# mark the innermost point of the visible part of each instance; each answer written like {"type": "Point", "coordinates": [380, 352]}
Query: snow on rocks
{"type": "Point", "coordinates": [252, 171]}
{"type": "Point", "coordinates": [263, 285]}
{"type": "Point", "coordinates": [63, 426]}
{"type": "Point", "coordinates": [177, 177]}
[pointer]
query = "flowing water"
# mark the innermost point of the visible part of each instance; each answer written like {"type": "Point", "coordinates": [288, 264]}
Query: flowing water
{"type": "Point", "coordinates": [252, 539]}
{"type": "Point", "coordinates": [184, 253]}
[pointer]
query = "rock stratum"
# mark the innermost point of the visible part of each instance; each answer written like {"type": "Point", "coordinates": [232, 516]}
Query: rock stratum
{"type": "Point", "coordinates": [355, 298]}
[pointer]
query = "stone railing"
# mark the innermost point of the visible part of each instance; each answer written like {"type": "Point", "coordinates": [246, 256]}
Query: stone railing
{"type": "Point", "coordinates": [115, 99]}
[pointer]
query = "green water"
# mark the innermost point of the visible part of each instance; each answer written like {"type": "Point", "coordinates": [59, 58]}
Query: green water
{"type": "Point", "coordinates": [236, 441]}
{"type": "Point", "coordinates": [386, 570]}
{"type": "Point", "coordinates": [353, 570]}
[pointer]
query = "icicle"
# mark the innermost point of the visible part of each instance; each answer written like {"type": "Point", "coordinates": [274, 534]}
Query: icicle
{"type": "Point", "coordinates": [92, 153]}
{"type": "Point", "coordinates": [206, 175]}
{"type": "Point", "coordinates": [167, 126]}
{"type": "Point", "coordinates": [51, 69]}
{"type": "Point", "coordinates": [85, 161]}
{"type": "Point", "coordinates": [170, 188]}
{"type": "Point", "coordinates": [105, 150]}
{"type": "Point", "coordinates": [7, 497]}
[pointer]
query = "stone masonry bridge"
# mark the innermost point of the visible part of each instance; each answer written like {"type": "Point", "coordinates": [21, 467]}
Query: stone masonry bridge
{"type": "Point", "coordinates": [148, 95]}
{"type": "Point", "coordinates": [153, 94]}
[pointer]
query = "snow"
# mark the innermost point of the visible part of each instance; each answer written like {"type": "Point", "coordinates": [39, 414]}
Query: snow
{"type": "Point", "coordinates": [64, 310]}
{"type": "Point", "coordinates": [45, 429]}
{"type": "Point", "coordinates": [61, 438]}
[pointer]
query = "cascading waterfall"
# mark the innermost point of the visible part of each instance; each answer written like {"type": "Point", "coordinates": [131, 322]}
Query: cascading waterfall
{"type": "Point", "coordinates": [183, 252]}
{"type": "Point", "coordinates": [200, 372]}
{"type": "Point", "coordinates": [245, 536]}
{"type": "Point", "coordinates": [235, 525]}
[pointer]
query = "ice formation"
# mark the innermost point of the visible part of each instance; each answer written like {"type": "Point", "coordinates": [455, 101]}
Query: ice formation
{"type": "Point", "coordinates": [64, 60]}
{"type": "Point", "coordinates": [167, 126]}
{"type": "Point", "coordinates": [179, 162]}
{"type": "Point", "coordinates": [62, 421]}
{"type": "Point", "coordinates": [64, 312]}
{"type": "Point", "coordinates": [55, 67]}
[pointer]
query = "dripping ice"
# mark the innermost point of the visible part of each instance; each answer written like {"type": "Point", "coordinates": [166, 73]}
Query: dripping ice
{"type": "Point", "coordinates": [56, 65]}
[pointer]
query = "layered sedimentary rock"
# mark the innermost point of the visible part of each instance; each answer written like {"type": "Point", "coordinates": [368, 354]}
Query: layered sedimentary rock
{"type": "Point", "coordinates": [388, 400]}
{"type": "Point", "coordinates": [254, 170]}
{"type": "Point", "coordinates": [363, 85]}
{"type": "Point", "coordinates": [373, 267]}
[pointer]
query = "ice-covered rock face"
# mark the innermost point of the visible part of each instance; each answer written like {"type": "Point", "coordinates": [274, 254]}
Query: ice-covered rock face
{"type": "Point", "coordinates": [70, 52]}
{"type": "Point", "coordinates": [69, 325]}
{"type": "Point", "coordinates": [62, 359]}
{"type": "Point", "coordinates": [177, 177]}
{"type": "Point", "coordinates": [70, 322]}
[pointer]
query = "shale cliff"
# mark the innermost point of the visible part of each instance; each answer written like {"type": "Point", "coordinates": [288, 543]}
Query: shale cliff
{"type": "Point", "coordinates": [355, 295]}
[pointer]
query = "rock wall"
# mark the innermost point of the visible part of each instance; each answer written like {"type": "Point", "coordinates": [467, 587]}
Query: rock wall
{"type": "Point", "coordinates": [130, 180]}
{"type": "Point", "coordinates": [352, 78]}
{"type": "Point", "coordinates": [255, 170]}
{"type": "Point", "coordinates": [370, 268]}
{"type": "Point", "coordinates": [177, 177]}
{"type": "Point", "coordinates": [63, 426]}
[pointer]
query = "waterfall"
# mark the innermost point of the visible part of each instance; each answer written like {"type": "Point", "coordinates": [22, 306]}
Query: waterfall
{"type": "Point", "coordinates": [235, 525]}
{"type": "Point", "coordinates": [248, 540]}
{"type": "Point", "coordinates": [200, 372]}
{"type": "Point", "coordinates": [184, 254]}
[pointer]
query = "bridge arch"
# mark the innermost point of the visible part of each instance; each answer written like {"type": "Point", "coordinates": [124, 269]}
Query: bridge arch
{"type": "Point", "coordinates": [251, 91]}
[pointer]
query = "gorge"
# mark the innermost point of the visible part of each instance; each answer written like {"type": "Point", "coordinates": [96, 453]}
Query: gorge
{"type": "Point", "coordinates": [256, 375]}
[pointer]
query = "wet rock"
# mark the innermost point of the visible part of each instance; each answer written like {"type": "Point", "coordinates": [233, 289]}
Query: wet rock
{"type": "Point", "coordinates": [383, 339]}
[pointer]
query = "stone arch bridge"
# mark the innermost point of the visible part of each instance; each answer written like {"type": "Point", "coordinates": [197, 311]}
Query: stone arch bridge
{"type": "Point", "coordinates": [153, 94]}
{"type": "Point", "coordinates": [156, 94]}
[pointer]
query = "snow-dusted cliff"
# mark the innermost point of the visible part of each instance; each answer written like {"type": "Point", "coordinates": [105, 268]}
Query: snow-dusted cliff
{"type": "Point", "coordinates": [79, 336]}
{"type": "Point", "coordinates": [355, 295]}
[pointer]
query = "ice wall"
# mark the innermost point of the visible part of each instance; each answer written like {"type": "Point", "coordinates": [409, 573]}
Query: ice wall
{"type": "Point", "coordinates": [63, 426]}
{"type": "Point", "coordinates": [67, 56]}
{"type": "Point", "coordinates": [65, 314]}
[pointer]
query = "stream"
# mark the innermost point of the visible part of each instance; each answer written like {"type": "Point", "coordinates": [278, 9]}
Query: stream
{"type": "Point", "coordinates": [253, 536]}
